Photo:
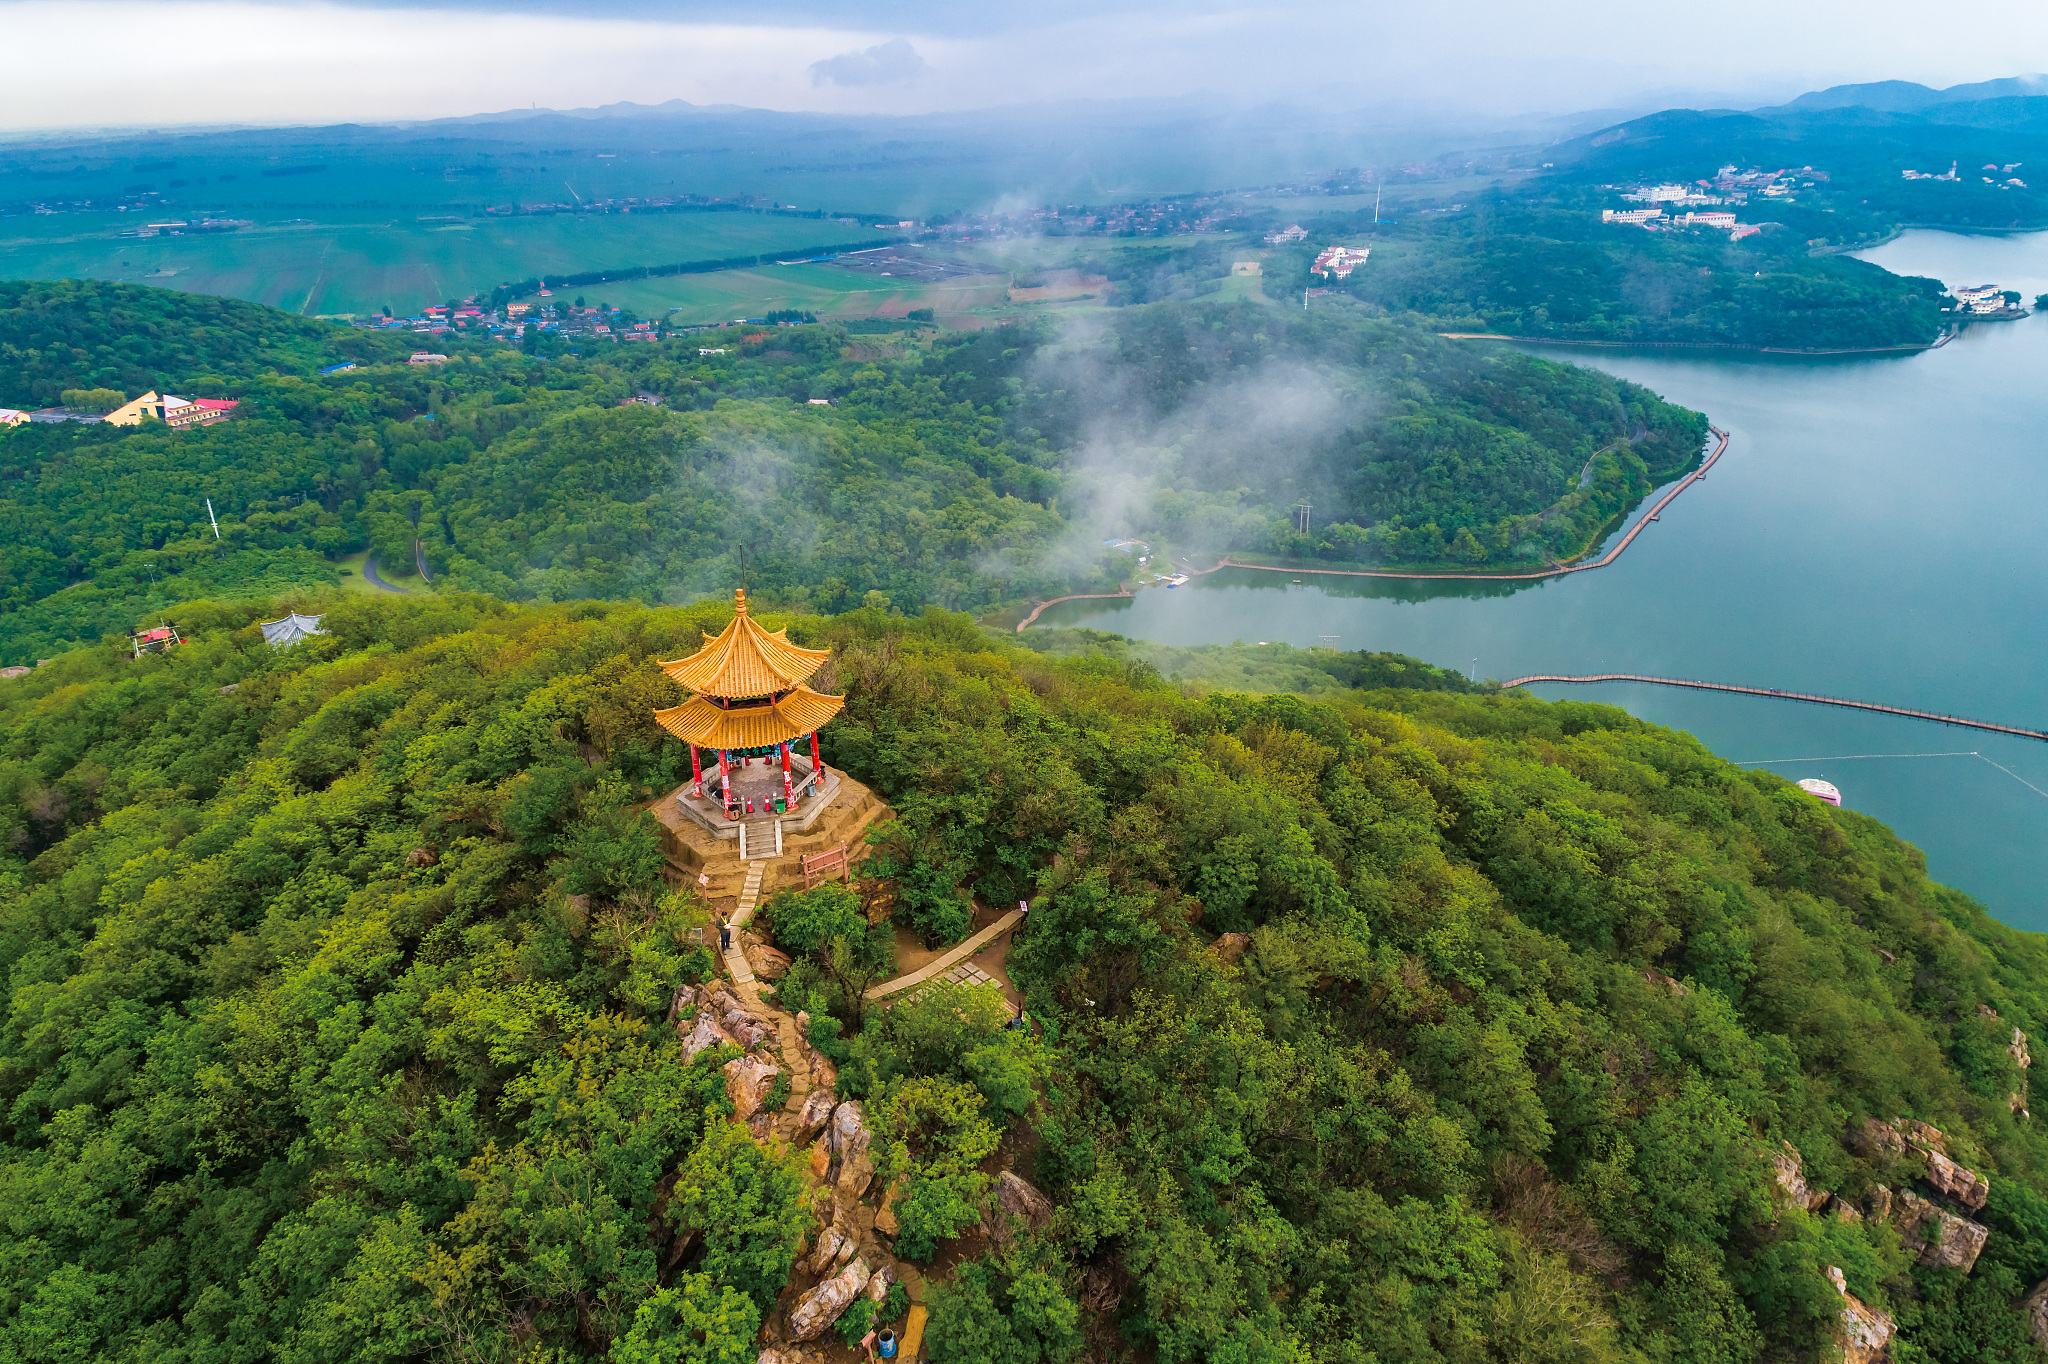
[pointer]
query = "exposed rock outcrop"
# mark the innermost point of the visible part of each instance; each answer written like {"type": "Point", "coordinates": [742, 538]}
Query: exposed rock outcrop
{"type": "Point", "coordinates": [849, 1129]}
{"type": "Point", "coordinates": [747, 1082]}
{"type": "Point", "coordinates": [2017, 1049]}
{"type": "Point", "coordinates": [850, 1142]}
{"type": "Point", "coordinates": [1790, 1174]}
{"type": "Point", "coordinates": [819, 1308]}
{"type": "Point", "coordinates": [1231, 947]}
{"type": "Point", "coordinates": [1866, 1332]}
{"type": "Point", "coordinates": [2035, 1305]}
{"type": "Point", "coordinates": [812, 1117]}
{"type": "Point", "coordinates": [704, 1033]}
{"type": "Point", "coordinates": [769, 963]}
{"type": "Point", "coordinates": [1939, 1237]}
{"type": "Point", "coordinates": [885, 1216]}
{"type": "Point", "coordinates": [1909, 1136]}
{"type": "Point", "coordinates": [1018, 1199]}
{"type": "Point", "coordinates": [878, 1283]}
{"type": "Point", "coordinates": [1966, 1187]}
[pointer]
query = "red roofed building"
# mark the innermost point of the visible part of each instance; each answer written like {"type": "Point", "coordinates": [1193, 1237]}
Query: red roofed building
{"type": "Point", "coordinates": [1340, 260]}
{"type": "Point", "coordinates": [198, 412]}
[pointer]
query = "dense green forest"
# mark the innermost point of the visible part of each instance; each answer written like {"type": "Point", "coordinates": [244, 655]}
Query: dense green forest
{"type": "Point", "coordinates": [1399, 1024]}
{"type": "Point", "coordinates": [66, 334]}
{"type": "Point", "coordinates": [965, 470]}
{"type": "Point", "coordinates": [1546, 266]}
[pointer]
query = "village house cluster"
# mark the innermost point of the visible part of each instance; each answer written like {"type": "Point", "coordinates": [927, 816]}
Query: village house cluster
{"type": "Point", "coordinates": [1339, 261]}
{"type": "Point", "coordinates": [1728, 186]}
{"type": "Point", "coordinates": [514, 320]}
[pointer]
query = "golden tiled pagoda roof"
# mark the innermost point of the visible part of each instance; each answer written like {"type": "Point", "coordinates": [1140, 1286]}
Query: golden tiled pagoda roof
{"type": "Point", "coordinates": [703, 722]}
{"type": "Point", "coordinates": [746, 660]}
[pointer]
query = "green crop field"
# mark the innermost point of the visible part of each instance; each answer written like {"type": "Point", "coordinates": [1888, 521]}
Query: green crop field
{"type": "Point", "coordinates": [358, 267]}
{"type": "Point", "coordinates": [823, 289]}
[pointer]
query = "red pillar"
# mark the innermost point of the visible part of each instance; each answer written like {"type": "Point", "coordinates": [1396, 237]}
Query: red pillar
{"type": "Point", "coordinates": [696, 774]}
{"type": "Point", "coordinates": [817, 767]}
{"type": "Point", "coordinates": [788, 789]}
{"type": "Point", "coordinates": [725, 782]}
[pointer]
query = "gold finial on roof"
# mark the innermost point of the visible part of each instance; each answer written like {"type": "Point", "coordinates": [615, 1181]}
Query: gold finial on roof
{"type": "Point", "coordinates": [739, 601]}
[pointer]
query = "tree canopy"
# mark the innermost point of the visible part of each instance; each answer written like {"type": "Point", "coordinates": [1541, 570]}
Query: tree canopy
{"type": "Point", "coordinates": [1425, 1023]}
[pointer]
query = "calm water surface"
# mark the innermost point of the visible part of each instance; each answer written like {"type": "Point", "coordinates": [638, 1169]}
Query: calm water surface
{"type": "Point", "coordinates": [1877, 530]}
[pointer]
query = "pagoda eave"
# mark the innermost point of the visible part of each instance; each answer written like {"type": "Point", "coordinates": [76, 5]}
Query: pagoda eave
{"type": "Point", "coordinates": [703, 722]}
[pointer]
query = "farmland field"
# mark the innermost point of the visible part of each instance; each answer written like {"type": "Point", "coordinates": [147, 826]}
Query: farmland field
{"type": "Point", "coordinates": [826, 290]}
{"type": "Point", "coordinates": [358, 267]}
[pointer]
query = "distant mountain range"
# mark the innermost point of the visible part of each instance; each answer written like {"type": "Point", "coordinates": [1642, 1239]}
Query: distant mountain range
{"type": "Point", "coordinates": [1904, 97]}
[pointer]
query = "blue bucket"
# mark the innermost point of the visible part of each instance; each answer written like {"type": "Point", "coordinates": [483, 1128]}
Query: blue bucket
{"type": "Point", "coordinates": [885, 1344]}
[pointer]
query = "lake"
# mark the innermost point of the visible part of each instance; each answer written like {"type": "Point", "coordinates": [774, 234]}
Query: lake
{"type": "Point", "coordinates": [1877, 530]}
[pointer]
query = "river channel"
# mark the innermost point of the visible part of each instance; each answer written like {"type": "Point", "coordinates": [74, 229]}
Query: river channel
{"type": "Point", "coordinates": [1877, 530]}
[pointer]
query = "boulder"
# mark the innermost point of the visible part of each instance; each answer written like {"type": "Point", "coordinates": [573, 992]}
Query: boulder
{"type": "Point", "coordinates": [1881, 1139]}
{"type": "Point", "coordinates": [1939, 1237]}
{"type": "Point", "coordinates": [1880, 1204]}
{"type": "Point", "coordinates": [703, 1034]}
{"type": "Point", "coordinates": [1927, 1138]}
{"type": "Point", "coordinates": [747, 1082]}
{"type": "Point", "coordinates": [885, 1216]}
{"type": "Point", "coordinates": [749, 1029]}
{"type": "Point", "coordinates": [1664, 982]}
{"type": "Point", "coordinates": [1966, 1187]}
{"type": "Point", "coordinates": [821, 1161]}
{"type": "Point", "coordinates": [849, 1129]}
{"type": "Point", "coordinates": [1231, 946]}
{"type": "Point", "coordinates": [856, 1172]}
{"type": "Point", "coordinates": [1866, 1332]}
{"type": "Point", "coordinates": [823, 1255]}
{"type": "Point", "coordinates": [819, 1308]}
{"type": "Point", "coordinates": [878, 1283]}
{"type": "Point", "coordinates": [2035, 1305]}
{"type": "Point", "coordinates": [1018, 1199]}
{"type": "Point", "coordinates": [768, 963]}
{"type": "Point", "coordinates": [2018, 1050]}
{"type": "Point", "coordinates": [812, 1117]}
{"type": "Point", "coordinates": [1790, 1174]}
{"type": "Point", "coordinates": [771, 1355]}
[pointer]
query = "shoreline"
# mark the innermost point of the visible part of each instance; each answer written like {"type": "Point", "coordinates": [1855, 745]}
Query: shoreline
{"type": "Point", "coordinates": [1561, 570]}
{"type": "Point", "coordinates": [1909, 348]}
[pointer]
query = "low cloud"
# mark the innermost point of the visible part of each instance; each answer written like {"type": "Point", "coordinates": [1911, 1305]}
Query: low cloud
{"type": "Point", "coordinates": [890, 63]}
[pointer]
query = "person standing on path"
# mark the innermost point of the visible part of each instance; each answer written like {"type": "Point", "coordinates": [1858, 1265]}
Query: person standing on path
{"type": "Point", "coordinates": [724, 934]}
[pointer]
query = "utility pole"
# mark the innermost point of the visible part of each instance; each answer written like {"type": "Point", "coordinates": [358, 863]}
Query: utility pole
{"type": "Point", "coordinates": [218, 551]}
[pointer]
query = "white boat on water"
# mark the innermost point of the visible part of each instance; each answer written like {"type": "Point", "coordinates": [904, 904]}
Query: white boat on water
{"type": "Point", "coordinates": [1825, 790]}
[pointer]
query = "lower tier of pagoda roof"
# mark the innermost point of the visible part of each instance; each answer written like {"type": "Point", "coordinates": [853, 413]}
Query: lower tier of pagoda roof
{"type": "Point", "coordinates": [705, 723]}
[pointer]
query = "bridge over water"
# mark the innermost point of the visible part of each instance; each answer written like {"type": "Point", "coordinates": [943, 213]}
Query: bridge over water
{"type": "Point", "coordinates": [1936, 716]}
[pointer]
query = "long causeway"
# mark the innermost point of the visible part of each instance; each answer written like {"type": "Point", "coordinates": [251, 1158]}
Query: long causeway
{"type": "Point", "coordinates": [1785, 696]}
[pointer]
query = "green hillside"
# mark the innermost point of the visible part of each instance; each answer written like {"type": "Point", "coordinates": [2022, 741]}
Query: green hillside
{"type": "Point", "coordinates": [87, 334]}
{"type": "Point", "coordinates": [966, 470]}
{"type": "Point", "coordinates": [1419, 1025]}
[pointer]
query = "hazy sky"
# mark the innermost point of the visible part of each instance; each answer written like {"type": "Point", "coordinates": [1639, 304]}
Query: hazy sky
{"type": "Point", "coordinates": [84, 63]}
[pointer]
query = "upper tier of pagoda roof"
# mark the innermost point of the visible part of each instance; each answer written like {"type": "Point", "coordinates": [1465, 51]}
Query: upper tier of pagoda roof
{"type": "Point", "coordinates": [745, 660]}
